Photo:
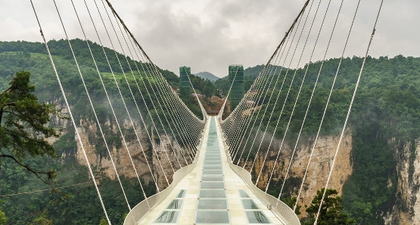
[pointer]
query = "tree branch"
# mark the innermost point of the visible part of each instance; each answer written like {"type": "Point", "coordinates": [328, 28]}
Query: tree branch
{"type": "Point", "coordinates": [10, 104]}
{"type": "Point", "coordinates": [50, 174]}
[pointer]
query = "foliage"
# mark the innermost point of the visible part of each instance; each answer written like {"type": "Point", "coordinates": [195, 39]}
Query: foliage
{"type": "Point", "coordinates": [191, 102]}
{"type": "Point", "coordinates": [291, 201]}
{"type": "Point", "coordinates": [24, 125]}
{"type": "Point", "coordinates": [384, 124]}
{"type": "Point", "coordinates": [3, 218]}
{"type": "Point", "coordinates": [65, 205]}
{"type": "Point", "coordinates": [203, 86]}
{"type": "Point", "coordinates": [68, 206]}
{"type": "Point", "coordinates": [250, 74]}
{"type": "Point", "coordinates": [42, 220]}
{"type": "Point", "coordinates": [103, 222]}
{"type": "Point", "coordinates": [331, 212]}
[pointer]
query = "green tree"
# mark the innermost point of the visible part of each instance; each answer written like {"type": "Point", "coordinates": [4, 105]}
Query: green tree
{"type": "Point", "coordinates": [24, 125]}
{"type": "Point", "coordinates": [42, 220]}
{"type": "Point", "coordinates": [331, 210]}
{"type": "Point", "coordinates": [3, 217]}
{"type": "Point", "coordinates": [103, 222]}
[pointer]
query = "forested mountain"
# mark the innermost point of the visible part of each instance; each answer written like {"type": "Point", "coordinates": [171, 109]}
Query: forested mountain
{"type": "Point", "coordinates": [223, 84]}
{"type": "Point", "coordinates": [207, 75]}
{"type": "Point", "coordinates": [384, 123]}
{"type": "Point", "coordinates": [384, 126]}
{"type": "Point", "coordinates": [77, 202]}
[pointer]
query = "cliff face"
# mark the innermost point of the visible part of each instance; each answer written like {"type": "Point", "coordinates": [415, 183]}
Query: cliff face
{"type": "Point", "coordinates": [407, 208]}
{"type": "Point", "coordinates": [162, 162]}
{"type": "Point", "coordinates": [159, 159]}
{"type": "Point", "coordinates": [318, 170]}
{"type": "Point", "coordinates": [163, 159]}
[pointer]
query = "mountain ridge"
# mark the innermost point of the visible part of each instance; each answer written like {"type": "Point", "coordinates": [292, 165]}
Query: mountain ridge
{"type": "Point", "coordinates": [207, 75]}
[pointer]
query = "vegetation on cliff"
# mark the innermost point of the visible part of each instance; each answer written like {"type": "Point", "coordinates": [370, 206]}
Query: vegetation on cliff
{"type": "Point", "coordinates": [24, 126]}
{"type": "Point", "coordinates": [384, 121]}
{"type": "Point", "coordinates": [24, 198]}
{"type": "Point", "coordinates": [331, 212]}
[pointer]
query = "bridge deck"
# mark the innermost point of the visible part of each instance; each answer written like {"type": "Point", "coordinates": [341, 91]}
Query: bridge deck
{"type": "Point", "coordinates": [212, 193]}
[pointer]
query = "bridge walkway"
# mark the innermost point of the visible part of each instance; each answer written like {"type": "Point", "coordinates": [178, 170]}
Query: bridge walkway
{"type": "Point", "coordinates": [212, 193]}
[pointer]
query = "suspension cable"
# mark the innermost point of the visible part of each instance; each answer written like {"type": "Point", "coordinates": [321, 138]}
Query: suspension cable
{"type": "Point", "coordinates": [125, 77]}
{"type": "Point", "coordinates": [71, 114]}
{"type": "Point", "coordinates": [326, 105]}
{"type": "Point", "coordinates": [303, 81]}
{"type": "Point", "coordinates": [90, 100]}
{"type": "Point", "coordinates": [107, 95]}
{"type": "Point", "coordinates": [290, 87]}
{"type": "Point", "coordinates": [348, 112]}
{"type": "Point", "coordinates": [311, 97]}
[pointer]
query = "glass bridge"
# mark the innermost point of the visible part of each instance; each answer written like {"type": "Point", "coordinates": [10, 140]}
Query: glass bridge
{"type": "Point", "coordinates": [210, 193]}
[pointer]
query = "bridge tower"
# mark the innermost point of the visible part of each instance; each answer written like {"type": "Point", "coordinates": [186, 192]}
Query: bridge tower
{"type": "Point", "coordinates": [236, 74]}
{"type": "Point", "coordinates": [184, 83]}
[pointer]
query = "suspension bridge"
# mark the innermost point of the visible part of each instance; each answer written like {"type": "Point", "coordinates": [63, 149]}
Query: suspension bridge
{"type": "Point", "coordinates": [227, 169]}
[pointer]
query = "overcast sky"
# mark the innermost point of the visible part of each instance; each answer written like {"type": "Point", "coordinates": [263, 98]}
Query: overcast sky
{"type": "Point", "coordinates": [209, 35]}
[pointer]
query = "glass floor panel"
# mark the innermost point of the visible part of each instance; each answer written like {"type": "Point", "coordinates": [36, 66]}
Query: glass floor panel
{"type": "Point", "coordinates": [212, 185]}
{"type": "Point", "coordinates": [168, 217]}
{"type": "Point", "coordinates": [243, 194]}
{"type": "Point", "coordinates": [181, 194]}
{"type": "Point", "coordinates": [249, 204]}
{"type": "Point", "coordinates": [219, 163]}
{"type": "Point", "coordinates": [212, 172]}
{"type": "Point", "coordinates": [219, 168]}
{"type": "Point", "coordinates": [212, 156]}
{"type": "Point", "coordinates": [211, 160]}
{"type": "Point", "coordinates": [212, 217]}
{"type": "Point", "coordinates": [209, 171]}
{"type": "Point", "coordinates": [212, 194]}
{"type": "Point", "coordinates": [210, 166]}
{"type": "Point", "coordinates": [212, 204]}
{"type": "Point", "coordinates": [175, 204]}
{"type": "Point", "coordinates": [212, 178]}
{"type": "Point", "coordinates": [256, 217]}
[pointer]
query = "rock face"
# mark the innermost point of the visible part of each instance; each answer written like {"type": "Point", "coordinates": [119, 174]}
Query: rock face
{"type": "Point", "coordinates": [150, 163]}
{"type": "Point", "coordinates": [166, 157]}
{"type": "Point", "coordinates": [408, 194]}
{"type": "Point", "coordinates": [318, 169]}
{"type": "Point", "coordinates": [162, 161]}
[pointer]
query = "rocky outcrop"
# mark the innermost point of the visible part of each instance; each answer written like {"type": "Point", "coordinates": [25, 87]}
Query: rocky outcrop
{"type": "Point", "coordinates": [318, 170]}
{"type": "Point", "coordinates": [407, 207]}
{"type": "Point", "coordinates": [166, 157]}
{"type": "Point", "coordinates": [133, 158]}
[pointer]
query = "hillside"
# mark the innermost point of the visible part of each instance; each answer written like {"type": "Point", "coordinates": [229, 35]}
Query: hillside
{"type": "Point", "coordinates": [379, 184]}
{"type": "Point", "coordinates": [69, 205]}
{"type": "Point", "coordinates": [206, 75]}
{"type": "Point", "coordinates": [384, 129]}
{"type": "Point", "coordinates": [250, 73]}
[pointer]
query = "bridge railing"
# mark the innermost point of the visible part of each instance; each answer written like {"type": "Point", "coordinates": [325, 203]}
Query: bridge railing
{"type": "Point", "coordinates": [279, 208]}
{"type": "Point", "coordinates": [283, 211]}
{"type": "Point", "coordinates": [145, 206]}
